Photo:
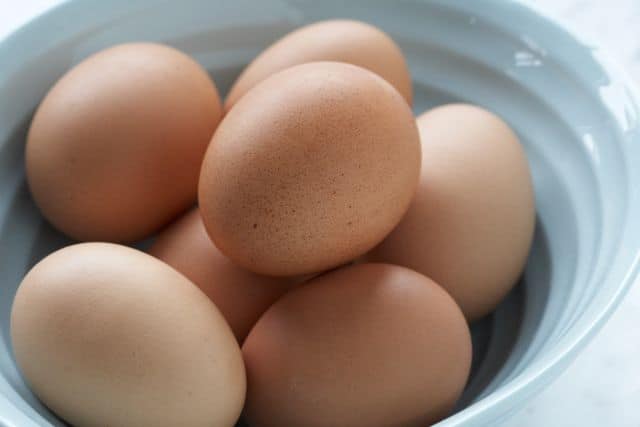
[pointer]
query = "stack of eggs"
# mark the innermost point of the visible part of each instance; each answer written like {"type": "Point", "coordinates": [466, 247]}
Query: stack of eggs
{"type": "Point", "coordinates": [326, 277]}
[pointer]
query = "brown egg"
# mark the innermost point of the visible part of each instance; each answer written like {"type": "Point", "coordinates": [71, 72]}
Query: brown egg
{"type": "Point", "coordinates": [109, 336]}
{"type": "Point", "coordinates": [338, 40]}
{"type": "Point", "coordinates": [115, 147]}
{"type": "Point", "coordinates": [471, 223]}
{"type": "Point", "coordinates": [371, 345]}
{"type": "Point", "coordinates": [312, 168]}
{"type": "Point", "coordinates": [241, 296]}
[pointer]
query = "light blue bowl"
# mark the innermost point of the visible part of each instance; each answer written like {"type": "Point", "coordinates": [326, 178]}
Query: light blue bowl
{"type": "Point", "coordinates": [576, 113]}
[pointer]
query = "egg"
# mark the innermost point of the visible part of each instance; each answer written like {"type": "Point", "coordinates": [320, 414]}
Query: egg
{"type": "Point", "coordinates": [310, 169]}
{"type": "Point", "coordinates": [340, 40]}
{"type": "Point", "coordinates": [371, 345]}
{"type": "Point", "coordinates": [240, 295]}
{"type": "Point", "coordinates": [114, 149]}
{"type": "Point", "coordinates": [107, 335]}
{"type": "Point", "coordinates": [471, 223]}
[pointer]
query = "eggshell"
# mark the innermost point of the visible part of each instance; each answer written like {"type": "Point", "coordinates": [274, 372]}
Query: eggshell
{"type": "Point", "coordinates": [240, 295]}
{"type": "Point", "coordinates": [310, 169]}
{"type": "Point", "coordinates": [114, 149]}
{"type": "Point", "coordinates": [109, 336]}
{"type": "Point", "coordinates": [371, 345]}
{"type": "Point", "coordinates": [340, 40]}
{"type": "Point", "coordinates": [471, 223]}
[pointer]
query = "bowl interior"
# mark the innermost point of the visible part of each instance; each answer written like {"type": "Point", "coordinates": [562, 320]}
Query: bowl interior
{"type": "Point", "coordinates": [498, 55]}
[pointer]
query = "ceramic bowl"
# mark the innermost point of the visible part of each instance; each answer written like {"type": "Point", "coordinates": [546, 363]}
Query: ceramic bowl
{"type": "Point", "coordinates": [575, 112]}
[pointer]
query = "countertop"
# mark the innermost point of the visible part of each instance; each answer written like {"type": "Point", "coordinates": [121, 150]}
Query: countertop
{"type": "Point", "coordinates": [602, 386]}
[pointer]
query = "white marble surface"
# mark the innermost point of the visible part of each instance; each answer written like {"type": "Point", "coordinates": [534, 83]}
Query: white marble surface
{"type": "Point", "coordinates": [602, 387]}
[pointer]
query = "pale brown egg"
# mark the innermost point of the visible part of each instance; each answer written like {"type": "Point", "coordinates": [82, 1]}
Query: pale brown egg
{"type": "Point", "coordinates": [240, 295]}
{"type": "Point", "coordinates": [109, 336]}
{"type": "Point", "coordinates": [114, 149]}
{"type": "Point", "coordinates": [371, 345]}
{"type": "Point", "coordinates": [312, 168]}
{"type": "Point", "coordinates": [340, 40]}
{"type": "Point", "coordinates": [471, 222]}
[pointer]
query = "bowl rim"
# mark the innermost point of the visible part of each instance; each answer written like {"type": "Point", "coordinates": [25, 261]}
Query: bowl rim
{"type": "Point", "coordinates": [561, 357]}
{"type": "Point", "coordinates": [583, 333]}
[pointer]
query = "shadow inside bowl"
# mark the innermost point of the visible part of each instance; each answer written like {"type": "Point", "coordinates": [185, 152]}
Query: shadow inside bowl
{"type": "Point", "coordinates": [495, 336]}
{"type": "Point", "coordinates": [25, 238]}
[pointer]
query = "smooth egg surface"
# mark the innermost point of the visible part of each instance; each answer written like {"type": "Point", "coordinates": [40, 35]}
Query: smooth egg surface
{"type": "Point", "coordinates": [240, 295]}
{"type": "Point", "coordinates": [370, 345]}
{"type": "Point", "coordinates": [107, 335]}
{"type": "Point", "coordinates": [340, 40]}
{"type": "Point", "coordinates": [114, 149]}
{"type": "Point", "coordinates": [471, 223]}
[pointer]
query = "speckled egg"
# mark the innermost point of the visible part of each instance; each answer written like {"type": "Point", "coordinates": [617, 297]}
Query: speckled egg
{"type": "Point", "coordinates": [311, 168]}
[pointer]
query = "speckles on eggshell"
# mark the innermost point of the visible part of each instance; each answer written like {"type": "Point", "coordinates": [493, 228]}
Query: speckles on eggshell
{"type": "Point", "coordinates": [323, 136]}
